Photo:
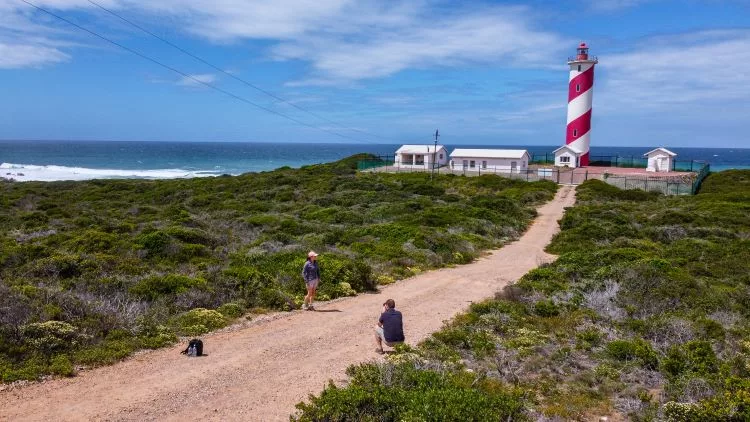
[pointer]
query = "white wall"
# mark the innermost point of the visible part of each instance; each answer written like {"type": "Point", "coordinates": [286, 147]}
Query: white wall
{"type": "Point", "coordinates": [500, 165]}
{"type": "Point", "coordinates": [409, 160]}
{"type": "Point", "coordinates": [659, 161]}
{"type": "Point", "coordinates": [565, 153]}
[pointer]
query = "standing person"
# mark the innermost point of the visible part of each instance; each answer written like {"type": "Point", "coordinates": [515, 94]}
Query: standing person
{"type": "Point", "coordinates": [311, 274]}
{"type": "Point", "coordinates": [390, 329]}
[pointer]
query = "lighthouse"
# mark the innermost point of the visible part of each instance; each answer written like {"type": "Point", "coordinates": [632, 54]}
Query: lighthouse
{"type": "Point", "coordinates": [580, 96]}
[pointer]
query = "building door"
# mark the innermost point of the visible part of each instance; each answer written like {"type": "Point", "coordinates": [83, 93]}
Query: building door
{"type": "Point", "coordinates": [466, 163]}
{"type": "Point", "coordinates": [513, 166]}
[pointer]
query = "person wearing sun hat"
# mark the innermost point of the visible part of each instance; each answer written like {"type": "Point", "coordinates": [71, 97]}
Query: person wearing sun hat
{"type": "Point", "coordinates": [311, 274]}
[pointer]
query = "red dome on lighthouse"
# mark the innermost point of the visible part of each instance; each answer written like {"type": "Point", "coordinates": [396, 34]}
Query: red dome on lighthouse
{"type": "Point", "coordinates": [583, 52]}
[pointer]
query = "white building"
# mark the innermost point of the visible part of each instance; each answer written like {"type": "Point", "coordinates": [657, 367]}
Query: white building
{"type": "Point", "coordinates": [492, 160]}
{"type": "Point", "coordinates": [567, 156]}
{"type": "Point", "coordinates": [420, 156]}
{"type": "Point", "coordinates": [660, 159]}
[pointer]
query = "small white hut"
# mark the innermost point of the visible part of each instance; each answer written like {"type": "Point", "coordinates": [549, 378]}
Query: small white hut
{"type": "Point", "coordinates": [660, 159]}
{"type": "Point", "coordinates": [421, 156]}
{"type": "Point", "coordinates": [566, 156]}
{"type": "Point", "coordinates": [495, 160]}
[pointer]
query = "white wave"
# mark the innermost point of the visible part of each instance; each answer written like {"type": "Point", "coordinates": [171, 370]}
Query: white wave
{"type": "Point", "coordinates": [51, 173]}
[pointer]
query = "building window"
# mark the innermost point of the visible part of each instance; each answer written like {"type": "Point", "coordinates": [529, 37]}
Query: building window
{"type": "Point", "coordinates": [578, 87]}
{"type": "Point", "coordinates": [484, 164]}
{"type": "Point", "coordinates": [579, 67]}
{"type": "Point", "coordinates": [565, 159]}
{"type": "Point", "coordinates": [441, 156]}
{"type": "Point", "coordinates": [575, 132]}
{"type": "Point", "coordinates": [472, 164]}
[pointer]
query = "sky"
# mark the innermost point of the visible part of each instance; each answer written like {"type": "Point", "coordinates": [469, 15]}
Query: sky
{"type": "Point", "coordinates": [670, 73]}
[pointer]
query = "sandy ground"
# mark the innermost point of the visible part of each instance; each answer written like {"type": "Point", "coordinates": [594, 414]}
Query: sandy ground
{"type": "Point", "coordinates": [261, 371]}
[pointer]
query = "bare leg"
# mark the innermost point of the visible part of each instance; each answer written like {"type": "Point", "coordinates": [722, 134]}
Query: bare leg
{"type": "Point", "coordinates": [378, 341]}
{"type": "Point", "coordinates": [309, 296]}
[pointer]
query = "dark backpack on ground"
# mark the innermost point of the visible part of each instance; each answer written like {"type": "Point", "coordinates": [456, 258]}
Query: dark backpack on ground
{"type": "Point", "coordinates": [195, 348]}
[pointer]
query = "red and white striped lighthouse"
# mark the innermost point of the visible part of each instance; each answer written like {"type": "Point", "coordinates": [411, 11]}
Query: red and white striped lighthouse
{"type": "Point", "coordinates": [580, 95]}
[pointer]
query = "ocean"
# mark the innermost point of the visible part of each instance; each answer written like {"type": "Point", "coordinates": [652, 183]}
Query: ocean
{"type": "Point", "coordinates": [81, 160]}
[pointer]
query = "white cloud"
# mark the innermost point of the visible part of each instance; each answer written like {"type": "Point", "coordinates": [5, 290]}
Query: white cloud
{"type": "Point", "coordinates": [614, 5]}
{"type": "Point", "coordinates": [28, 42]}
{"type": "Point", "coordinates": [198, 80]}
{"type": "Point", "coordinates": [13, 56]}
{"type": "Point", "coordinates": [499, 36]}
{"type": "Point", "coordinates": [696, 68]}
{"type": "Point", "coordinates": [349, 40]}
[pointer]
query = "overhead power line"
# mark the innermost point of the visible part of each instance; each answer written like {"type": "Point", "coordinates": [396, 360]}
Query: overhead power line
{"type": "Point", "coordinates": [230, 74]}
{"type": "Point", "coordinates": [186, 75]}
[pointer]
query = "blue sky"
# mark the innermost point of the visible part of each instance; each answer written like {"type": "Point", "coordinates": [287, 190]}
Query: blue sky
{"type": "Point", "coordinates": [673, 73]}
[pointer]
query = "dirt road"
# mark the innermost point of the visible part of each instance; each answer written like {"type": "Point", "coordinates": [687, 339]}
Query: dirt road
{"type": "Point", "coordinates": [260, 372]}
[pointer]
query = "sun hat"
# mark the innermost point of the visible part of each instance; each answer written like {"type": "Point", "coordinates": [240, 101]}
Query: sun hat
{"type": "Point", "coordinates": [311, 254]}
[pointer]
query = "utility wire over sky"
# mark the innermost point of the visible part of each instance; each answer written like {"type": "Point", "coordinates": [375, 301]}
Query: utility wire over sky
{"type": "Point", "coordinates": [231, 75]}
{"type": "Point", "coordinates": [202, 82]}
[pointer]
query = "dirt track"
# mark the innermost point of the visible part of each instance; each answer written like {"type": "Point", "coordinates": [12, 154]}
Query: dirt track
{"type": "Point", "coordinates": [260, 372]}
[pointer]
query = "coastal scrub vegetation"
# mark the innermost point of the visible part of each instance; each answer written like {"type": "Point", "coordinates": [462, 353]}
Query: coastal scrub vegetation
{"type": "Point", "coordinates": [91, 271]}
{"type": "Point", "coordinates": [645, 315]}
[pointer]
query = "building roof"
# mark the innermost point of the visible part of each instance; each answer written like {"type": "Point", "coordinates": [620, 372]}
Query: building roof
{"type": "Point", "coordinates": [418, 149]}
{"type": "Point", "coordinates": [662, 149]}
{"type": "Point", "coordinates": [568, 147]}
{"type": "Point", "coordinates": [489, 153]}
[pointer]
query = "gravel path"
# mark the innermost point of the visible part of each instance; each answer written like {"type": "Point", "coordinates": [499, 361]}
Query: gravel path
{"type": "Point", "coordinates": [261, 371]}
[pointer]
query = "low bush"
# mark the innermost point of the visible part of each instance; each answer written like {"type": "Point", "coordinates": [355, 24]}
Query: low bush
{"type": "Point", "coordinates": [153, 287]}
{"type": "Point", "coordinates": [633, 350]}
{"type": "Point", "coordinates": [199, 321]}
{"type": "Point", "coordinates": [231, 310]}
{"type": "Point", "coordinates": [402, 392]}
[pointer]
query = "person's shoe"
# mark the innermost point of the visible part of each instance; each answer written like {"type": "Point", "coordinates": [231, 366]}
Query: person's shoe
{"type": "Point", "coordinates": [304, 307]}
{"type": "Point", "coordinates": [310, 308]}
{"type": "Point", "coordinates": [379, 351]}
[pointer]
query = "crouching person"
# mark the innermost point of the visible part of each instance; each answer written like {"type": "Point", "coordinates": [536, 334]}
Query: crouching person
{"type": "Point", "coordinates": [390, 329]}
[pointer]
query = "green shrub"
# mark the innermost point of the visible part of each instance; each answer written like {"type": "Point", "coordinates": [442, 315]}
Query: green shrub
{"type": "Point", "coordinates": [546, 308]}
{"type": "Point", "coordinates": [155, 242]}
{"type": "Point", "coordinates": [589, 338]}
{"type": "Point", "coordinates": [50, 336]}
{"type": "Point", "coordinates": [547, 280]}
{"type": "Point", "coordinates": [58, 265]}
{"type": "Point", "coordinates": [153, 287]}
{"type": "Point", "coordinates": [105, 353]}
{"type": "Point", "coordinates": [199, 321]}
{"type": "Point", "coordinates": [231, 310]}
{"type": "Point", "coordinates": [630, 350]}
{"type": "Point", "coordinates": [411, 394]}
{"type": "Point", "coordinates": [61, 365]}
{"type": "Point", "coordinates": [696, 357]}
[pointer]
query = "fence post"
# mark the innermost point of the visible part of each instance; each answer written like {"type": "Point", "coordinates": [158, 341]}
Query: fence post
{"type": "Point", "coordinates": [587, 176]}
{"type": "Point", "coordinates": [558, 176]}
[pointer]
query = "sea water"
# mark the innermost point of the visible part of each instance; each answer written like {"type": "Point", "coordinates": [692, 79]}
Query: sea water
{"type": "Point", "coordinates": [81, 160]}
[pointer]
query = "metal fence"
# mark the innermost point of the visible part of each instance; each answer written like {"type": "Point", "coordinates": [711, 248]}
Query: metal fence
{"type": "Point", "coordinates": [668, 185]}
{"type": "Point", "coordinates": [620, 161]}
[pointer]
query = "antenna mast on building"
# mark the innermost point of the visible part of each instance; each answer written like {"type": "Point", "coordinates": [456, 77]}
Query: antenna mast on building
{"type": "Point", "coordinates": [434, 153]}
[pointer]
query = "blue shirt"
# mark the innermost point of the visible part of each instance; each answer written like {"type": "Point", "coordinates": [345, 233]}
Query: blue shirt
{"type": "Point", "coordinates": [393, 326]}
{"type": "Point", "coordinates": [311, 271]}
